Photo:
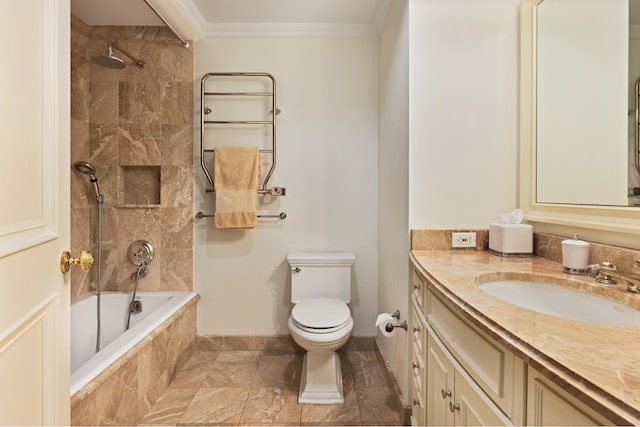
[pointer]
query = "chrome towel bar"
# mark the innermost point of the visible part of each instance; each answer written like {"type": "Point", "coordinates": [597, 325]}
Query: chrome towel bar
{"type": "Point", "coordinates": [281, 215]}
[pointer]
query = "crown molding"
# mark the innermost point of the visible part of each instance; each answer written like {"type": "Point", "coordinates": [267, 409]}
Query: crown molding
{"type": "Point", "coordinates": [192, 14]}
{"type": "Point", "coordinates": [288, 30]}
{"type": "Point", "coordinates": [275, 29]}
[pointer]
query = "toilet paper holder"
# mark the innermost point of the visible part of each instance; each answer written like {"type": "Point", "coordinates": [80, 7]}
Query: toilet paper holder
{"type": "Point", "coordinates": [391, 326]}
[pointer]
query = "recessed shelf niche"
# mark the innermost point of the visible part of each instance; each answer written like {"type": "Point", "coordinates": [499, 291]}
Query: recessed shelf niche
{"type": "Point", "coordinates": [140, 186]}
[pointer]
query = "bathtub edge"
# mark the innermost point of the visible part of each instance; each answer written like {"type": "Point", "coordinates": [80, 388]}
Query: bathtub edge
{"type": "Point", "coordinates": [110, 370]}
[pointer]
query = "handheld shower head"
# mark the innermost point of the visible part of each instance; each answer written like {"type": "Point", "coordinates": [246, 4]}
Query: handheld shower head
{"type": "Point", "coordinates": [86, 168]}
{"type": "Point", "coordinates": [89, 170]}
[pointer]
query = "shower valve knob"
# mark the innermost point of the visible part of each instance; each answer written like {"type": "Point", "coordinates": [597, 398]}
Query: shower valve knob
{"type": "Point", "coordinates": [85, 261]}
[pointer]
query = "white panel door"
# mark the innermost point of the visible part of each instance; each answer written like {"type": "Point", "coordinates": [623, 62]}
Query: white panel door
{"type": "Point", "coordinates": [34, 213]}
{"type": "Point", "coordinates": [440, 383]}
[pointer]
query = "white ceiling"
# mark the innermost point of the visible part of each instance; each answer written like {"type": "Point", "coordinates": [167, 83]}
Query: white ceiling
{"type": "Point", "coordinates": [211, 12]}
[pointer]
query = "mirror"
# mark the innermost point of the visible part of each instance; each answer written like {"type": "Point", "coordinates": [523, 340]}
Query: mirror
{"type": "Point", "coordinates": [574, 121]}
{"type": "Point", "coordinates": [581, 91]}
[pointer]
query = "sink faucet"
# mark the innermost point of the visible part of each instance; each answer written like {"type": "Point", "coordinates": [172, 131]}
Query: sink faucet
{"type": "Point", "coordinates": [607, 273]}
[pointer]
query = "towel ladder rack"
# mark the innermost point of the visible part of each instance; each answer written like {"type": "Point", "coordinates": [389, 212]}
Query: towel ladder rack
{"type": "Point", "coordinates": [204, 110]}
{"type": "Point", "coordinates": [270, 124]}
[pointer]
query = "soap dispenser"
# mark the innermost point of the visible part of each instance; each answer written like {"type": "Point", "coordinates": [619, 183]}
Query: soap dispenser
{"type": "Point", "coordinates": [575, 255]}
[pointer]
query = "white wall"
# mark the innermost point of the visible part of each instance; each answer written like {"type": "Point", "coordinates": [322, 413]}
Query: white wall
{"type": "Point", "coordinates": [393, 183]}
{"type": "Point", "coordinates": [327, 160]}
{"type": "Point", "coordinates": [463, 111]}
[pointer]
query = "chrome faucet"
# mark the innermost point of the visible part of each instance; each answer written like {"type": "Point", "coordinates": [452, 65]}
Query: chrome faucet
{"type": "Point", "coordinates": [607, 273]}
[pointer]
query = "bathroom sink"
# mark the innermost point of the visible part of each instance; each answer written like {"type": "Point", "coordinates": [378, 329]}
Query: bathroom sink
{"type": "Point", "coordinates": [562, 302]}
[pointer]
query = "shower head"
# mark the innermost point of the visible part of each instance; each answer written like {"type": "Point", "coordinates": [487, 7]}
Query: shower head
{"type": "Point", "coordinates": [109, 60]}
{"type": "Point", "coordinates": [90, 171]}
{"type": "Point", "coordinates": [86, 168]}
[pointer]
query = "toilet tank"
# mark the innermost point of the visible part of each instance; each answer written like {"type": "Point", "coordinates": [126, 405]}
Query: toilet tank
{"type": "Point", "coordinates": [321, 275]}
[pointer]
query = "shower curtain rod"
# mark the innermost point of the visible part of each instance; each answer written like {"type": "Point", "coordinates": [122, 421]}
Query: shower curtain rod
{"type": "Point", "coordinates": [163, 19]}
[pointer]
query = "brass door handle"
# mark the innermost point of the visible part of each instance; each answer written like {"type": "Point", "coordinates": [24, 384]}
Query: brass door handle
{"type": "Point", "coordinates": [85, 261]}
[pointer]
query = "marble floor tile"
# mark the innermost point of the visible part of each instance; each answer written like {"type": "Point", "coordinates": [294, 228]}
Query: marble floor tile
{"type": "Point", "coordinates": [215, 406]}
{"type": "Point", "coordinates": [230, 374]}
{"type": "Point", "coordinates": [200, 359]}
{"type": "Point", "coordinates": [169, 407]}
{"type": "Point", "coordinates": [359, 356]}
{"type": "Point", "coordinates": [239, 356]}
{"type": "Point", "coordinates": [261, 388]}
{"type": "Point", "coordinates": [271, 405]}
{"type": "Point", "coordinates": [368, 374]}
{"type": "Point", "coordinates": [190, 378]}
{"type": "Point", "coordinates": [378, 406]}
{"type": "Point", "coordinates": [279, 371]}
{"type": "Point", "coordinates": [331, 414]}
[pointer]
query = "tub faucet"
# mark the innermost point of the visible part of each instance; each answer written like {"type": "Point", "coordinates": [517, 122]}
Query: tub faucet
{"type": "Point", "coordinates": [607, 273]}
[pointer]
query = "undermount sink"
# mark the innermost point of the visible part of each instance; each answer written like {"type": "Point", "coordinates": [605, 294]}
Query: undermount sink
{"type": "Point", "coordinates": [562, 302]}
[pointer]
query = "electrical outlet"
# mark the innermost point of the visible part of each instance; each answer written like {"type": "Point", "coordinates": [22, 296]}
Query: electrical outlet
{"type": "Point", "coordinates": [463, 240]}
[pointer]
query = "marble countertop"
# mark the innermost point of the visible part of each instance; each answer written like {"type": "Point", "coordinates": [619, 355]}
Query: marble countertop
{"type": "Point", "coordinates": [597, 364]}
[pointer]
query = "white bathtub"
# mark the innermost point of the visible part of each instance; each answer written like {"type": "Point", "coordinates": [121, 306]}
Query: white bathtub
{"type": "Point", "coordinates": [115, 341]}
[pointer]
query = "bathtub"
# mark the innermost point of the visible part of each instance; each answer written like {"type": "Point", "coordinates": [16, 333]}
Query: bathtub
{"type": "Point", "coordinates": [157, 307]}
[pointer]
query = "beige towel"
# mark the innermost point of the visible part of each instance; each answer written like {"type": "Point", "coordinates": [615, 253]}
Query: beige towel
{"type": "Point", "coordinates": [236, 175]}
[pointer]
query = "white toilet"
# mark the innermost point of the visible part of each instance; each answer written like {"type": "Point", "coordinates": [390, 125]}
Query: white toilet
{"type": "Point", "coordinates": [320, 320]}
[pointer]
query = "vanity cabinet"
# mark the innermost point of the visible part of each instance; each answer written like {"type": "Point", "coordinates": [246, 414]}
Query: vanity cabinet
{"type": "Point", "coordinates": [460, 376]}
{"type": "Point", "coordinates": [463, 376]}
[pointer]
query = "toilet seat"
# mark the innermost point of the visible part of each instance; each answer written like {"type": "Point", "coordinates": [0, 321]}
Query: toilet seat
{"type": "Point", "coordinates": [320, 315]}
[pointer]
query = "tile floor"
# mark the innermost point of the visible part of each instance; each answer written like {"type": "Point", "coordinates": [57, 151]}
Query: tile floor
{"type": "Point", "coordinates": [261, 388]}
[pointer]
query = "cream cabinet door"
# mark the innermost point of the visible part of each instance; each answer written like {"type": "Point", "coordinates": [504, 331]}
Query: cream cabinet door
{"type": "Point", "coordinates": [34, 213]}
{"type": "Point", "coordinates": [453, 398]}
{"type": "Point", "coordinates": [440, 383]}
{"type": "Point", "coordinates": [549, 405]}
{"type": "Point", "coordinates": [472, 406]}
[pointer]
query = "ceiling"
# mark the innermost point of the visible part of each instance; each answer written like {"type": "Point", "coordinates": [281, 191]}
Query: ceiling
{"type": "Point", "coordinates": [207, 13]}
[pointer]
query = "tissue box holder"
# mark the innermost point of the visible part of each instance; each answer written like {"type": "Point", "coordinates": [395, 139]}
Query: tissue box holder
{"type": "Point", "coordinates": [511, 240]}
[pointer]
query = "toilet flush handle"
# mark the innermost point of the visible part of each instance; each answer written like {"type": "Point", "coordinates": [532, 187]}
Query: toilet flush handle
{"type": "Point", "coordinates": [297, 269]}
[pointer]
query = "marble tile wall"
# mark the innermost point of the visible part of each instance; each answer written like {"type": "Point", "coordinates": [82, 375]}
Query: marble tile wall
{"type": "Point", "coordinates": [441, 239]}
{"type": "Point", "coordinates": [550, 247]}
{"type": "Point", "coordinates": [136, 127]}
{"type": "Point", "coordinates": [544, 245]}
{"type": "Point", "coordinates": [124, 392]}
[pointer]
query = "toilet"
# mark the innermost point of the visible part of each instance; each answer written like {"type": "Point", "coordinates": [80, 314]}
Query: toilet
{"type": "Point", "coordinates": [320, 320]}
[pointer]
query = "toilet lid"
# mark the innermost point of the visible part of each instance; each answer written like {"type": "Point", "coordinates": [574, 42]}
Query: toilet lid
{"type": "Point", "coordinates": [320, 313]}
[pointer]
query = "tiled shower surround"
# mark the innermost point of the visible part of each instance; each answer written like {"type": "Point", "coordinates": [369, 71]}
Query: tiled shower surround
{"type": "Point", "coordinates": [136, 127]}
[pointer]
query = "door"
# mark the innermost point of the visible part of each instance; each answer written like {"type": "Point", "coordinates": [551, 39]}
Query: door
{"type": "Point", "coordinates": [472, 406]}
{"type": "Point", "coordinates": [440, 383]}
{"type": "Point", "coordinates": [549, 405]}
{"type": "Point", "coordinates": [34, 213]}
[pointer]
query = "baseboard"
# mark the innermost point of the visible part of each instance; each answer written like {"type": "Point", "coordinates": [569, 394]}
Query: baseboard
{"type": "Point", "coordinates": [393, 385]}
{"type": "Point", "coordinates": [281, 343]}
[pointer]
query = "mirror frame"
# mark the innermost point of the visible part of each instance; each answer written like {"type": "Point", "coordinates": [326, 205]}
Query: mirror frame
{"type": "Point", "coordinates": [611, 218]}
